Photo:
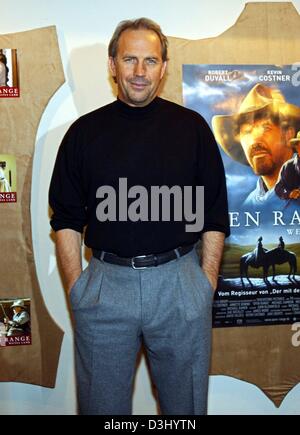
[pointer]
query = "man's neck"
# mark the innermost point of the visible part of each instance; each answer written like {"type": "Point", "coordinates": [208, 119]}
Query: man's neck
{"type": "Point", "coordinates": [271, 180]}
{"type": "Point", "coordinates": [136, 104]}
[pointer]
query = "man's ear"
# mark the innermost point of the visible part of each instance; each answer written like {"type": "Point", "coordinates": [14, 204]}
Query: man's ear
{"type": "Point", "coordinates": [164, 67]}
{"type": "Point", "coordinates": [112, 66]}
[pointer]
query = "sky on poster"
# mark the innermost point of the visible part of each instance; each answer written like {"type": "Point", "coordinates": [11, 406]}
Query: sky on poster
{"type": "Point", "coordinates": [211, 98]}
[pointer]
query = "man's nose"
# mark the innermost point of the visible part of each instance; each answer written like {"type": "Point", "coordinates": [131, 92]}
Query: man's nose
{"type": "Point", "coordinates": [257, 132]}
{"type": "Point", "coordinates": [140, 69]}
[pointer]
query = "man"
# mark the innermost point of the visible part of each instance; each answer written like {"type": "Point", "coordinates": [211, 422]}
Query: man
{"type": "Point", "coordinates": [259, 135]}
{"type": "Point", "coordinates": [281, 243]}
{"type": "Point", "coordinates": [20, 323]}
{"type": "Point", "coordinates": [3, 70]}
{"type": "Point", "coordinates": [144, 282]}
{"type": "Point", "coordinates": [288, 185]}
{"type": "Point", "coordinates": [259, 250]}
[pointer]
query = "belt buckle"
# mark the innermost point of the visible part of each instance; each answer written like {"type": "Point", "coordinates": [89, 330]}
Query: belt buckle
{"type": "Point", "coordinates": [137, 267]}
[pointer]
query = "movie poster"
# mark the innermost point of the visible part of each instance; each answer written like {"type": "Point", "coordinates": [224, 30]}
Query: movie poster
{"type": "Point", "coordinates": [8, 179]}
{"type": "Point", "coordinates": [15, 325]}
{"type": "Point", "coordinates": [254, 113]}
{"type": "Point", "coordinates": [9, 74]}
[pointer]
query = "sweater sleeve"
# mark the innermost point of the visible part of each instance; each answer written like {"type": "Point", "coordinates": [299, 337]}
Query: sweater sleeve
{"type": "Point", "coordinates": [212, 177]}
{"type": "Point", "coordinates": [66, 194]}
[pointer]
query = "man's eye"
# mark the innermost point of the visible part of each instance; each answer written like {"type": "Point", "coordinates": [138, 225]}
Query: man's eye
{"type": "Point", "coordinates": [151, 61]}
{"type": "Point", "coordinates": [247, 130]}
{"type": "Point", "coordinates": [129, 60]}
{"type": "Point", "coordinates": [267, 128]}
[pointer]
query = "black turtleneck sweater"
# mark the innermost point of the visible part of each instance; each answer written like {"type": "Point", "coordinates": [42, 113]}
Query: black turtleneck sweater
{"type": "Point", "coordinates": [162, 144]}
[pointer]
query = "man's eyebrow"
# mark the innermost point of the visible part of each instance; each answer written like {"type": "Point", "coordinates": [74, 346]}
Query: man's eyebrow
{"type": "Point", "coordinates": [134, 56]}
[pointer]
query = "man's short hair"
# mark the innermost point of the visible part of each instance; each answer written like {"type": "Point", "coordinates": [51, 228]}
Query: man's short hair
{"type": "Point", "coordinates": [138, 24]}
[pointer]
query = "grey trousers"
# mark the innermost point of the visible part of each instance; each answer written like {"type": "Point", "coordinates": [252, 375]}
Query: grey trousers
{"type": "Point", "coordinates": [169, 308]}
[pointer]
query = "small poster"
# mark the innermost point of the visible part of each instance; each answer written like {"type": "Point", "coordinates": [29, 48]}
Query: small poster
{"type": "Point", "coordinates": [9, 74]}
{"type": "Point", "coordinates": [254, 113]}
{"type": "Point", "coordinates": [15, 325]}
{"type": "Point", "coordinates": [8, 179]}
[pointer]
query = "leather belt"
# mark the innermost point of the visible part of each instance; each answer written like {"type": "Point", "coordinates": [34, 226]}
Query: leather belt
{"type": "Point", "coordinates": [143, 261]}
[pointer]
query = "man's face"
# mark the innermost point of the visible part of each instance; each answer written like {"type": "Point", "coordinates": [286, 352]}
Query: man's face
{"type": "Point", "coordinates": [297, 148]}
{"type": "Point", "coordinates": [17, 310]}
{"type": "Point", "coordinates": [265, 145]}
{"type": "Point", "coordinates": [138, 66]}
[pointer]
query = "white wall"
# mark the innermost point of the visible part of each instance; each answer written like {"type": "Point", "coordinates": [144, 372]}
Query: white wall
{"type": "Point", "coordinates": [84, 29]}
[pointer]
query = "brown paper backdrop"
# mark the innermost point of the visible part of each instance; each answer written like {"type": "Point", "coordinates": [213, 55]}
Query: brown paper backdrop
{"type": "Point", "coordinates": [265, 33]}
{"type": "Point", "coordinates": [40, 75]}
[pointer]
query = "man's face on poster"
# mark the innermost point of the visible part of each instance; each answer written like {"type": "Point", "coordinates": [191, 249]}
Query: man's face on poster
{"type": "Point", "coordinates": [266, 145]}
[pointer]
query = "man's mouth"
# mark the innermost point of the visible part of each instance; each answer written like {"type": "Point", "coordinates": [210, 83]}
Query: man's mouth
{"type": "Point", "coordinates": [259, 152]}
{"type": "Point", "coordinates": [138, 85]}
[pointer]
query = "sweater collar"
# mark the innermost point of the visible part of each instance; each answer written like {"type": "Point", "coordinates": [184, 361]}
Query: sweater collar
{"type": "Point", "coordinates": [137, 112]}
